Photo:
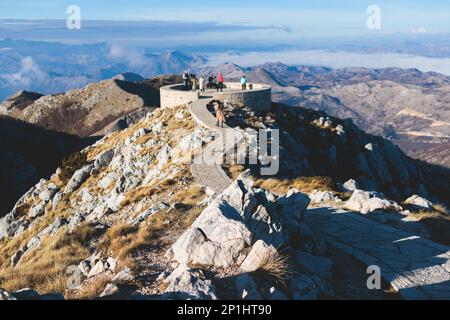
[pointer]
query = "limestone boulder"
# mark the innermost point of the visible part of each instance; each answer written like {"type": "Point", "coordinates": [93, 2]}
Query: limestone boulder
{"type": "Point", "coordinates": [257, 257]}
{"type": "Point", "coordinates": [236, 220]}
{"type": "Point", "coordinates": [350, 185]}
{"type": "Point", "coordinates": [419, 202]}
{"type": "Point", "coordinates": [103, 159]}
{"type": "Point", "coordinates": [318, 196]}
{"type": "Point", "coordinates": [369, 201]}
{"type": "Point", "coordinates": [78, 178]}
{"type": "Point", "coordinates": [185, 283]}
{"type": "Point", "coordinates": [5, 295]}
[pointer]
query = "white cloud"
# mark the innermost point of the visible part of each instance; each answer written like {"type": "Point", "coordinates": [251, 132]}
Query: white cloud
{"type": "Point", "coordinates": [29, 74]}
{"type": "Point", "coordinates": [336, 59]}
{"type": "Point", "coordinates": [133, 57]}
{"type": "Point", "coordinates": [420, 30]}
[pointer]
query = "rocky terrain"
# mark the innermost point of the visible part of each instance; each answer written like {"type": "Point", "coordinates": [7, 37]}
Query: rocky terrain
{"type": "Point", "coordinates": [39, 131]}
{"type": "Point", "coordinates": [125, 219]}
{"type": "Point", "coordinates": [407, 106]}
{"type": "Point", "coordinates": [98, 108]}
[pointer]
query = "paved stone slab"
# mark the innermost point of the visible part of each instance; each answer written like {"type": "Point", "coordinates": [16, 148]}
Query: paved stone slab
{"type": "Point", "coordinates": [209, 172]}
{"type": "Point", "coordinates": [416, 267]}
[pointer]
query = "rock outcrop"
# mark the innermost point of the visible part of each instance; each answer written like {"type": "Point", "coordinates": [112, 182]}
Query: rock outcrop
{"type": "Point", "coordinates": [366, 202]}
{"type": "Point", "coordinates": [236, 220]}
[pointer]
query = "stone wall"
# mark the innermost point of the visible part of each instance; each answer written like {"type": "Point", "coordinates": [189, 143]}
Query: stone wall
{"type": "Point", "coordinates": [174, 95]}
{"type": "Point", "coordinates": [259, 99]}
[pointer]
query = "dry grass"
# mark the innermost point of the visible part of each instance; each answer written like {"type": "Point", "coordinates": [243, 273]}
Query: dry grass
{"type": "Point", "coordinates": [118, 239]}
{"type": "Point", "coordinates": [437, 225]}
{"type": "Point", "coordinates": [190, 196]}
{"type": "Point", "coordinates": [123, 240]}
{"type": "Point", "coordinates": [439, 207]}
{"type": "Point", "coordinates": [91, 289]}
{"type": "Point", "coordinates": [9, 247]}
{"type": "Point", "coordinates": [44, 269]}
{"type": "Point", "coordinates": [304, 184]}
{"type": "Point", "coordinates": [138, 194]}
{"type": "Point", "coordinates": [234, 170]}
{"type": "Point", "coordinates": [276, 265]}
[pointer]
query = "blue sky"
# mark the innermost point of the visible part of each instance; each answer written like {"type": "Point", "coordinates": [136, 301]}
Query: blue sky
{"type": "Point", "coordinates": [321, 17]}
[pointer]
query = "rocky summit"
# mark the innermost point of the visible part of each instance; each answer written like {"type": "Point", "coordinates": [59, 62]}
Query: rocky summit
{"type": "Point", "coordinates": [127, 216]}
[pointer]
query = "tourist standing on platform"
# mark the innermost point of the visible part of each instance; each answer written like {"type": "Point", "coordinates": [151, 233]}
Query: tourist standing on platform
{"type": "Point", "coordinates": [186, 80]}
{"type": "Point", "coordinates": [243, 83]}
{"type": "Point", "coordinates": [194, 82]}
{"type": "Point", "coordinates": [201, 83]}
{"type": "Point", "coordinates": [220, 81]}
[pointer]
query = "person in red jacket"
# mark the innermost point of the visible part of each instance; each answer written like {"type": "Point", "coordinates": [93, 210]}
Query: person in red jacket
{"type": "Point", "coordinates": [220, 81]}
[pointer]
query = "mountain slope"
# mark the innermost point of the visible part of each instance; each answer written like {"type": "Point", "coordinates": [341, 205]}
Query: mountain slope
{"type": "Point", "coordinates": [407, 106]}
{"type": "Point", "coordinates": [130, 220]}
{"type": "Point", "coordinates": [95, 109]}
{"type": "Point", "coordinates": [28, 153]}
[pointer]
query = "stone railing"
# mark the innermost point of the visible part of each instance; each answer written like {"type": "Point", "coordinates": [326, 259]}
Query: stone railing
{"type": "Point", "coordinates": [175, 95]}
{"type": "Point", "coordinates": [259, 98]}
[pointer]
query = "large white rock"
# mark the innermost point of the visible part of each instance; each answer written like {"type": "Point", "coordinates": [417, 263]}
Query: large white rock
{"type": "Point", "coordinates": [185, 283]}
{"type": "Point", "coordinates": [420, 202]}
{"type": "Point", "coordinates": [236, 219]}
{"type": "Point", "coordinates": [48, 193]}
{"type": "Point", "coordinates": [37, 210]}
{"type": "Point", "coordinates": [350, 185]}
{"type": "Point", "coordinates": [318, 196]}
{"type": "Point", "coordinates": [107, 180]}
{"type": "Point", "coordinates": [369, 201]}
{"type": "Point", "coordinates": [8, 226]}
{"type": "Point", "coordinates": [5, 295]}
{"type": "Point", "coordinates": [257, 256]}
{"type": "Point", "coordinates": [78, 178]}
{"type": "Point", "coordinates": [103, 159]}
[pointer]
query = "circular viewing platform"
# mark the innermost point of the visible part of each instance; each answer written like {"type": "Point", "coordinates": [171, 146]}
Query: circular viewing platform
{"type": "Point", "coordinates": [259, 98]}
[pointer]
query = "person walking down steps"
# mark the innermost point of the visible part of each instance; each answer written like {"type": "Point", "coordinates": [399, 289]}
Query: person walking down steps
{"type": "Point", "coordinates": [220, 117]}
{"type": "Point", "coordinates": [220, 81]}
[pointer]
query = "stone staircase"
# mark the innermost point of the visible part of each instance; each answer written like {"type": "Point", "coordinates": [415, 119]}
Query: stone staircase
{"type": "Point", "coordinates": [208, 171]}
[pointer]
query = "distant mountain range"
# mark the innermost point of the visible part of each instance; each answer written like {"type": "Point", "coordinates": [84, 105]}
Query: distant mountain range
{"type": "Point", "coordinates": [51, 68]}
{"type": "Point", "coordinates": [407, 106]}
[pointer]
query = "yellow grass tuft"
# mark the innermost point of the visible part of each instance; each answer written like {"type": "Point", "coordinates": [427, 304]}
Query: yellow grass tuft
{"type": "Point", "coordinates": [276, 265]}
{"type": "Point", "coordinates": [304, 184]}
{"type": "Point", "coordinates": [44, 269]}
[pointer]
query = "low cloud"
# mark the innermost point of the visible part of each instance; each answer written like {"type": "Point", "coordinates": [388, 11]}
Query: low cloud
{"type": "Point", "coordinates": [335, 59]}
{"type": "Point", "coordinates": [28, 75]}
{"type": "Point", "coordinates": [131, 56]}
